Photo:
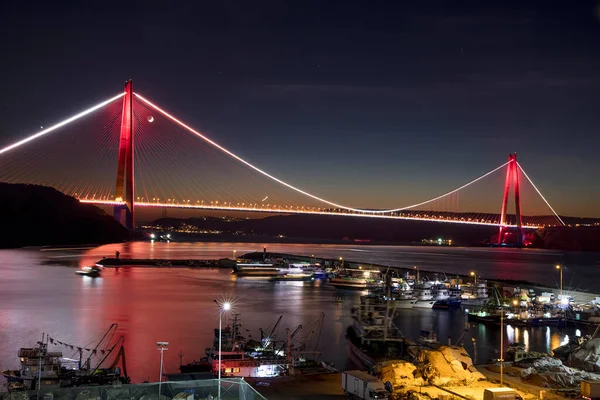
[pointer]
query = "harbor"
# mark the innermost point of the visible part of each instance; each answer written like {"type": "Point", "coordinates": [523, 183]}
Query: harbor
{"type": "Point", "coordinates": [116, 296]}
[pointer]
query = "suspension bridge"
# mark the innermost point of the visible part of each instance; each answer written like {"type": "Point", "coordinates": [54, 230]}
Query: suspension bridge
{"type": "Point", "coordinates": [162, 162]}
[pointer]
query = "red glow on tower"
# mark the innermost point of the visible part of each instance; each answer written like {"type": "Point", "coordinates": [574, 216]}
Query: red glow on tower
{"type": "Point", "coordinates": [512, 176]}
{"type": "Point", "coordinates": [124, 189]}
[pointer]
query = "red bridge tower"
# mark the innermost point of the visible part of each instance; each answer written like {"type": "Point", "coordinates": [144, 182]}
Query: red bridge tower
{"type": "Point", "coordinates": [512, 176]}
{"type": "Point", "coordinates": [124, 189]}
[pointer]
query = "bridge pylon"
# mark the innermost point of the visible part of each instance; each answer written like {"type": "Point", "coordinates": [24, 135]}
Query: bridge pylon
{"type": "Point", "coordinates": [124, 188]}
{"type": "Point", "coordinates": [512, 179]}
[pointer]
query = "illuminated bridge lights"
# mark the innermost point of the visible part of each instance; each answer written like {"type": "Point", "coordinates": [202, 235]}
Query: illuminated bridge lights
{"type": "Point", "coordinates": [275, 210]}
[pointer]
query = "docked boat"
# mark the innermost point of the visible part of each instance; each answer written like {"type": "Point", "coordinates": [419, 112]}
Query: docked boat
{"type": "Point", "coordinates": [424, 296]}
{"type": "Point", "coordinates": [447, 304]}
{"type": "Point", "coordinates": [42, 368]}
{"type": "Point", "coordinates": [574, 344]}
{"type": "Point", "coordinates": [428, 338]}
{"type": "Point", "coordinates": [427, 304]}
{"type": "Point", "coordinates": [12, 375]}
{"type": "Point", "coordinates": [439, 292]}
{"type": "Point", "coordinates": [356, 278]}
{"type": "Point", "coordinates": [529, 316]}
{"type": "Point", "coordinates": [348, 282]}
{"type": "Point", "coordinates": [92, 272]}
{"type": "Point", "coordinates": [381, 300]}
{"type": "Point", "coordinates": [242, 357]}
{"type": "Point", "coordinates": [290, 277]}
{"type": "Point", "coordinates": [259, 270]}
{"type": "Point", "coordinates": [372, 336]}
{"type": "Point", "coordinates": [475, 293]}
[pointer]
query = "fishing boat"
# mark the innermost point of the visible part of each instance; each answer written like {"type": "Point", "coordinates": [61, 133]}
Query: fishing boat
{"type": "Point", "coordinates": [424, 296]}
{"type": "Point", "coordinates": [42, 368]}
{"type": "Point", "coordinates": [475, 293]}
{"type": "Point", "coordinates": [372, 336]}
{"type": "Point", "coordinates": [381, 300]}
{"type": "Point", "coordinates": [573, 344]}
{"type": "Point", "coordinates": [355, 278]}
{"type": "Point", "coordinates": [265, 357]}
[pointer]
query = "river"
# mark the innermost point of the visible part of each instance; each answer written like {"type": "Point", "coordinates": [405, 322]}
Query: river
{"type": "Point", "coordinates": [39, 292]}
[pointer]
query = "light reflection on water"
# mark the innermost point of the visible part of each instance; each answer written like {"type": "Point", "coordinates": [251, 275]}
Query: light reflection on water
{"type": "Point", "coordinates": [175, 304]}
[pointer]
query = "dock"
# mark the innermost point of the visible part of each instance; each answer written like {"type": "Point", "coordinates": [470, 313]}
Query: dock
{"type": "Point", "coordinates": [162, 263]}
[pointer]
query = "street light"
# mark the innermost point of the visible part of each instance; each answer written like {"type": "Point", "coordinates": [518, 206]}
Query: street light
{"type": "Point", "coordinates": [234, 255]}
{"type": "Point", "coordinates": [474, 275]}
{"type": "Point", "coordinates": [226, 306]}
{"type": "Point", "coordinates": [501, 341]}
{"type": "Point", "coordinates": [558, 267]}
{"type": "Point", "coordinates": [161, 346]}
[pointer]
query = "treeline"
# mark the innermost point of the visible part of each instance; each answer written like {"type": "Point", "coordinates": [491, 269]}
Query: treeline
{"type": "Point", "coordinates": [33, 215]}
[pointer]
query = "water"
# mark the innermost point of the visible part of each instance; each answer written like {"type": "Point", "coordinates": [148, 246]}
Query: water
{"type": "Point", "coordinates": [39, 292]}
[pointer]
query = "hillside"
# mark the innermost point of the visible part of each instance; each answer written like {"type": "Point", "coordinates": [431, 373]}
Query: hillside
{"type": "Point", "coordinates": [575, 238]}
{"type": "Point", "coordinates": [336, 228]}
{"type": "Point", "coordinates": [35, 215]}
{"type": "Point", "coordinates": [333, 228]}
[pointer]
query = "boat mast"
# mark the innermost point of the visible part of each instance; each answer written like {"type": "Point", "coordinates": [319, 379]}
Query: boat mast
{"type": "Point", "coordinates": [289, 352]}
{"type": "Point", "coordinates": [119, 341]}
{"type": "Point", "coordinates": [388, 288]}
{"type": "Point", "coordinates": [87, 362]}
{"type": "Point", "coordinates": [41, 355]}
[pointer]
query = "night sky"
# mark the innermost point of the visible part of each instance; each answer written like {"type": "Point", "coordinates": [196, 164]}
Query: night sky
{"type": "Point", "coordinates": [391, 101]}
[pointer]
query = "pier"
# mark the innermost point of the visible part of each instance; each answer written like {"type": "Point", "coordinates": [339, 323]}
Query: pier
{"type": "Point", "coordinates": [116, 262]}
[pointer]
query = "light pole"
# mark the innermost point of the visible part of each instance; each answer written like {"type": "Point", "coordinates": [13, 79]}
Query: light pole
{"type": "Point", "coordinates": [558, 267]}
{"type": "Point", "coordinates": [161, 346]}
{"type": "Point", "coordinates": [226, 306]}
{"type": "Point", "coordinates": [417, 276]}
{"type": "Point", "coordinates": [234, 258]}
{"type": "Point", "coordinates": [474, 275]}
{"type": "Point", "coordinates": [501, 340]}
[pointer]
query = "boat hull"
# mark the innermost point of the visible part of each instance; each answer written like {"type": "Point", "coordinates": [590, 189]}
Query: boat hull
{"type": "Point", "coordinates": [290, 278]}
{"type": "Point", "coordinates": [447, 304]}
{"type": "Point", "coordinates": [424, 304]}
{"type": "Point", "coordinates": [348, 284]}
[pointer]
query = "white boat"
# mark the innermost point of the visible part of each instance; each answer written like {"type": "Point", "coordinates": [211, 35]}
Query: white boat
{"type": "Point", "coordinates": [475, 293]}
{"type": "Point", "coordinates": [404, 303]}
{"type": "Point", "coordinates": [256, 270]}
{"type": "Point", "coordinates": [348, 282]}
{"type": "Point", "coordinates": [424, 296]}
{"type": "Point", "coordinates": [352, 278]}
{"type": "Point", "coordinates": [440, 292]}
{"type": "Point", "coordinates": [424, 304]}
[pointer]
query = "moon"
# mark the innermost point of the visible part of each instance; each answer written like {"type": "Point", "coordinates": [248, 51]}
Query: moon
{"type": "Point", "coordinates": [150, 118]}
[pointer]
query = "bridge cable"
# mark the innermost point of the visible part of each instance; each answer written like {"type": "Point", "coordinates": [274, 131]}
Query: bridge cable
{"type": "Point", "coordinates": [540, 193]}
{"type": "Point", "coordinates": [63, 123]}
{"type": "Point", "coordinates": [366, 211]}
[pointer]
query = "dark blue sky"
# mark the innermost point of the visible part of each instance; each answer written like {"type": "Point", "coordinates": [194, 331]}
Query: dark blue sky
{"type": "Point", "coordinates": [404, 100]}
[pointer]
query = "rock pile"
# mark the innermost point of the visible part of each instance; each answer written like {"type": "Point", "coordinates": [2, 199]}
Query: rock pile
{"type": "Point", "coordinates": [445, 366]}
